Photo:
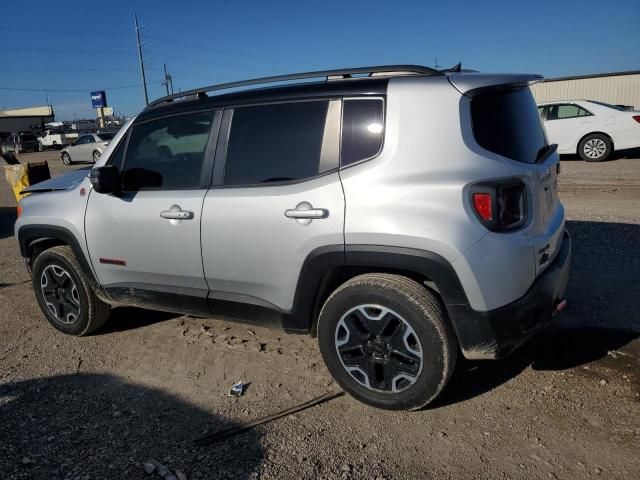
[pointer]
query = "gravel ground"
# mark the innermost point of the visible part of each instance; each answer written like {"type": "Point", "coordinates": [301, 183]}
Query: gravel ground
{"type": "Point", "coordinates": [564, 406]}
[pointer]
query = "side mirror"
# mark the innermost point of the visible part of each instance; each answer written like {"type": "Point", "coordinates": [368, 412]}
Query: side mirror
{"type": "Point", "coordinates": [105, 179]}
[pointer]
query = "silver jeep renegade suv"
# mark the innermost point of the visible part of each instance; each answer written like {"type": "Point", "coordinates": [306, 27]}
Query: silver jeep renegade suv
{"type": "Point", "coordinates": [403, 215]}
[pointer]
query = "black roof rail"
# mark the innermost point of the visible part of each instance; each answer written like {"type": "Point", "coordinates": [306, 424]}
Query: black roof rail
{"type": "Point", "coordinates": [329, 74]}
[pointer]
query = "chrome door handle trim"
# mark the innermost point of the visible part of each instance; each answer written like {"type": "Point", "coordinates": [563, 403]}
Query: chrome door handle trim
{"type": "Point", "coordinates": [311, 214]}
{"type": "Point", "coordinates": [176, 215]}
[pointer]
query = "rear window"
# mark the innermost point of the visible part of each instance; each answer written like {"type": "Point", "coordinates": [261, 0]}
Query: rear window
{"type": "Point", "coordinates": [507, 122]}
{"type": "Point", "coordinates": [106, 136]}
{"type": "Point", "coordinates": [27, 136]}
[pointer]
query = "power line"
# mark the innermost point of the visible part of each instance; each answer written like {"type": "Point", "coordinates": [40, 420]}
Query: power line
{"type": "Point", "coordinates": [69, 90]}
{"type": "Point", "coordinates": [65, 32]}
{"type": "Point", "coordinates": [57, 50]}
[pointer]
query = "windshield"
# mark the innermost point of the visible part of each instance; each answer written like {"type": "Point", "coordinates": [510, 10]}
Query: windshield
{"type": "Point", "coordinates": [506, 121]}
{"type": "Point", "coordinates": [27, 136]}
{"type": "Point", "coordinates": [106, 136]}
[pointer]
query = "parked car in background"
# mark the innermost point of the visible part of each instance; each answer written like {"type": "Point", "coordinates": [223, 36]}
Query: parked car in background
{"type": "Point", "coordinates": [87, 148]}
{"type": "Point", "coordinates": [591, 129]}
{"type": "Point", "coordinates": [19, 143]}
{"type": "Point", "coordinates": [53, 139]}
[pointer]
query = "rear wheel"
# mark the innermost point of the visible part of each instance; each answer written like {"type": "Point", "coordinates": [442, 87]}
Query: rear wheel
{"type": "Point", "coordinates": [64, 294]}
{"type": "Point", "coordinates": [66, 158]}
{"type": "Point", "coordinates": [595, 148]}
{"type": "Point", "coordinates": [387, 342]}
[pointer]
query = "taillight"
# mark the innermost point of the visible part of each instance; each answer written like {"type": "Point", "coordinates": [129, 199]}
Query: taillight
{"type": "Point", "coordinates": [19, 210]}
{"type": "Point", "coordinates": [482, 203]}
{"type": "Point", "coordinates": [636, 118]}
{"type": "Point", "coordinates": [499, 206]}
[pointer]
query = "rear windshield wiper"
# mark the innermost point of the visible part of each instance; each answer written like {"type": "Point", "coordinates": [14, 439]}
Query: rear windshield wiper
{"type": "Point", "coordinates": [545, 152]}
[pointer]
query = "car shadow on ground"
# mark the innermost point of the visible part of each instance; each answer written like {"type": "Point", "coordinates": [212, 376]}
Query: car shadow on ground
{"type": "Point", "coordinates": [603, 313]}
{"type": "Point", "coordinates": [102, 426]}
{"type": "Point", "coordinates": [130, 318]}
{"type": "Point", "coordinates": [8, 217]}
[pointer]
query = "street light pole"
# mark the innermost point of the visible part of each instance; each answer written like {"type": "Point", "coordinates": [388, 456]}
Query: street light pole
{"type": "Point", "coordinates": [144, 80]}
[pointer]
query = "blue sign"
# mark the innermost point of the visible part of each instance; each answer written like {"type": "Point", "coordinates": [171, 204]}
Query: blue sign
{"type": "Point", "coordinates": [98, 99]}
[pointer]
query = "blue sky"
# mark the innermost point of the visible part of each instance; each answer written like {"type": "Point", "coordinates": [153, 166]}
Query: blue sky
{"type": "Point", "coordinates": [84, 46]}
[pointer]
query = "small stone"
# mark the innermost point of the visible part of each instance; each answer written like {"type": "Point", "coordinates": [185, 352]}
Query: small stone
{"type": "Point", "coordinates": [522, 465]}
{"type": "Point", "coordinates": [598, 471]}
{"type": "Point", "coordinates": [180, 475]}
{"type": "Point", "coordinates": [149, 468]}
{"type": "Point", "coordinates": [117, 414]}
{"type": "Point", "coordinates": [346, 468]}
{"type": "Point", "coordinates": [603, 382]}
{"type": "Point", "coordinates": [442, 434]}
{"type": "Point", "coordinates": [26, 460]}
{"type": "Point", "coordinates": [171, 476]}
{"type": "Point", "coordinates": [486, 434]}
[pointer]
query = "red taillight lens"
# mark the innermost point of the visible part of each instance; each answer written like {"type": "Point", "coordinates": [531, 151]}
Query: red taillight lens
{"type": "Point", "coordinates": [482, 203]}
{"type": "Point", "coordinates": [500, 206]}
{"type": "Point", "coordinates": [636, 118]}
{"type": "Point", "coordinates": [19, 211]}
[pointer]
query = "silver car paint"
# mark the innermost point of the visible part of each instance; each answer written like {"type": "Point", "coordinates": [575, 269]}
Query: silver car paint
{"type": "Point", "coordinates": [84, 152]}
{"type": "Point", "coordinates": [251, 249]}
{"type": "Point", "coordinates": [157, 251]}
{"type": "Point", "coordinates": [413, 194]}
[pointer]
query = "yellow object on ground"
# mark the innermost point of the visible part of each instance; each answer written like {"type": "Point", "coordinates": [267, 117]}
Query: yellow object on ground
{"type": "Point", "coordinates": [18, 178]}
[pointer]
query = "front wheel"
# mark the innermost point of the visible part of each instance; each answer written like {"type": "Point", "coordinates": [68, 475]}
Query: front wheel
{"type": "Point", "coordinates": [387, 342]}
{"type": "Point", "coordinates": [66, 158]}
{"type": "Point", "coordinates": [595, 148]}
{"type": "Point", "coordinates": [64, 294]}
{"type": "Point", "coordinates": [96, 156]}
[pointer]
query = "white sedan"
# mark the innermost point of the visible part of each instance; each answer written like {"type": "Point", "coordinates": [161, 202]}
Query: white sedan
{"type": "Point", "coordinates": [591, 129]}
{"type": "Point", "coordinates": [87, 148]}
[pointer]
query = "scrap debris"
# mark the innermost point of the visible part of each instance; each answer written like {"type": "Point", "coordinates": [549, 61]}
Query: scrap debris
{"type": "Point", "coordinates": [151, 466]}
{"type": "Point", "coordinates": [237, 389]}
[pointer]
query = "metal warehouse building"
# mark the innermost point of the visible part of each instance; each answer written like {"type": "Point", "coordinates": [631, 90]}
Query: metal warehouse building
{"type": "Point", "coordinates": [617, 88]}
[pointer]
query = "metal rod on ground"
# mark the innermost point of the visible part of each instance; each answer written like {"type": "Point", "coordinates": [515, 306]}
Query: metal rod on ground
{"type": "Point", "coordinates": [230, 432]}
{"type": "Point", "coordinates": [144, 80]}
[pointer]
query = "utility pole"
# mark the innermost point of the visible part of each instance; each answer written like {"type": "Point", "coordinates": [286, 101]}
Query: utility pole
{"type": "Point", "coordinates": [436, 59]}
{"type": "Point", "coordinates": [168, 80]}
{"type": "Point", "coordinates": [144, 80]}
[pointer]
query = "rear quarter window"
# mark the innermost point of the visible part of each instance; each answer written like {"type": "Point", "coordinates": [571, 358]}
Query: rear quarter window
{"type": "Point", "coordinates": [506, 122]}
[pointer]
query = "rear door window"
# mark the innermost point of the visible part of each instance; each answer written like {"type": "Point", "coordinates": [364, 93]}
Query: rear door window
{"type": "Point", "coordinates": [362, 129]}
{"type": "Point", "coordinates": [566, 110]}
{"type": "Point", "coordinates": [506, 122]}
{"type": "Point", "coordinates": [275, 143]}
{"type": "Point", "coordinates": [168, 153]}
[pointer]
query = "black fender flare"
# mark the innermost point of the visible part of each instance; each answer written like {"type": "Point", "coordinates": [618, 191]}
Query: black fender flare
{"type": "Point", "coordinates": [30, 234]}
{"type": "Point", "coordinates": [319, 265]}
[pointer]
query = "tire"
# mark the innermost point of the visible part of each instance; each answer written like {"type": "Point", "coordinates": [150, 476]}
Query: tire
{"type": "Point", "coordinates": [96, 156]}
{"type": "Point", "coordinates": [66, 158]}
{"type": "Point", "coordinates": [64, 294]}
{"type": "Point", "coordinates": [414, 338]}
{"type": "Point", "coordinates": [16, 150]}
{"type": "Point", "coordinates": [595, 148]}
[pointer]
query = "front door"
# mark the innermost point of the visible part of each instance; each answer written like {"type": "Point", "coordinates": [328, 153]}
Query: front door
{"type": "Point", "coordinates": [145, 242]}
{"type": "Point", "coordinates": [278, 198]}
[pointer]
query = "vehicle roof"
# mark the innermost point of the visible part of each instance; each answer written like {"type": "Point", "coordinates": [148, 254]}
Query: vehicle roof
{"type": "Point", "coordinates": [319, 89]}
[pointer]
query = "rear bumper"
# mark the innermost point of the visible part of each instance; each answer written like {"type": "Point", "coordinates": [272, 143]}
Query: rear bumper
{"type": "Point", "coordinates": [496, 333]}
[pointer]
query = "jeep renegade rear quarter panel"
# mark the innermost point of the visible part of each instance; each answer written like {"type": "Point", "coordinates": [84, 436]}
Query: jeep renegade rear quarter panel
{"type": "Point", "coordinates": [411, 195]}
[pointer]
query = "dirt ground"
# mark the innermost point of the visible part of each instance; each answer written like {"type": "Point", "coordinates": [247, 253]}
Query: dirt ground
{"type": "Point", "coordinates": [564, 406]}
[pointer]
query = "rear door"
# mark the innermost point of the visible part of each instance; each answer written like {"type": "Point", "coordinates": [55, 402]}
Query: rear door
{"type": "Point", "coordinates": [277, 197]}
{"type": "Point", "coordinates": [144, 243]}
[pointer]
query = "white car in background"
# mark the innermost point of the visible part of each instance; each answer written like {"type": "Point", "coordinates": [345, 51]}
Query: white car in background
{"type": "Point", "coordinates": [87, 148]}
{"type": "Point", "coordinates": [591, 129]}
